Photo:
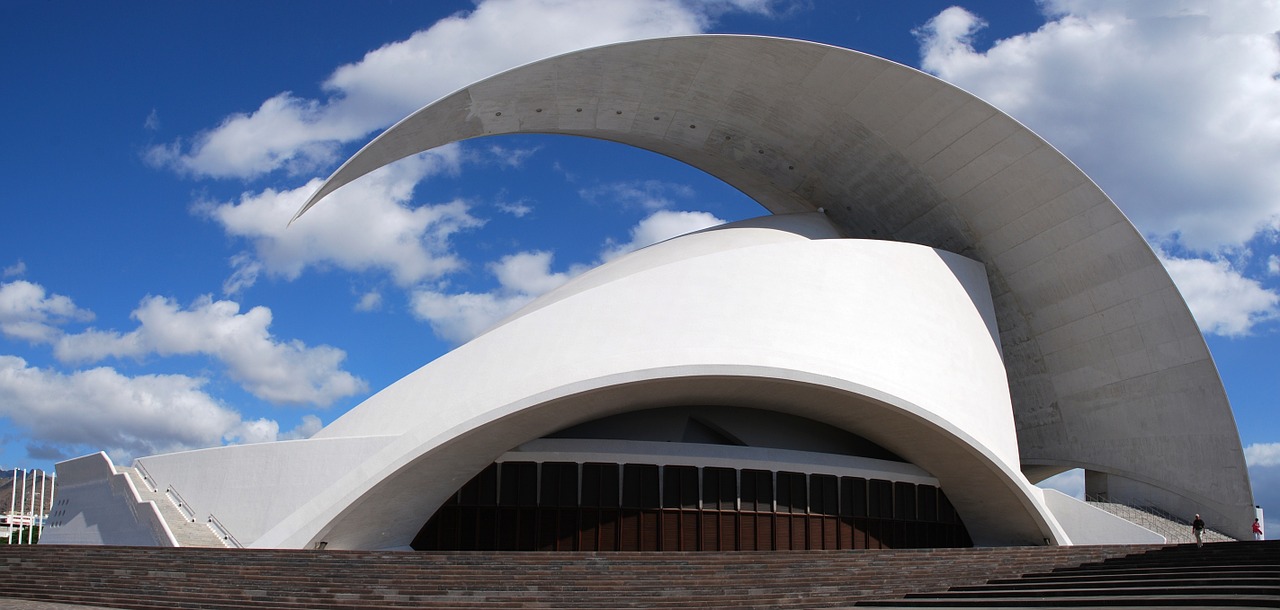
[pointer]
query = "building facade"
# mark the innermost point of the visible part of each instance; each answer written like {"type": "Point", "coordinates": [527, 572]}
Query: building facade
{"type": "Point", "coordinates": [940, 311]}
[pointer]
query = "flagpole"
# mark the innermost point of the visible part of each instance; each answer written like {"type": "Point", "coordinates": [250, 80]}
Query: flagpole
{"type": "Point", "coordinates": [13, 498]}
{"type": "Point", "coordinates": [22, 504]}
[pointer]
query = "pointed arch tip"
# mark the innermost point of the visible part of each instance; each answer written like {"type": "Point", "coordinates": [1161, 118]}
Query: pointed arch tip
{"type": "Point", "coordinates": [311, 202]}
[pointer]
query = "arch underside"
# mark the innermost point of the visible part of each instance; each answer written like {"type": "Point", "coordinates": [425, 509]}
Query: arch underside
{"type": "Point", "coordinates": [402, 499]}
{"type": "Point", "coordinates": [1104, 361]}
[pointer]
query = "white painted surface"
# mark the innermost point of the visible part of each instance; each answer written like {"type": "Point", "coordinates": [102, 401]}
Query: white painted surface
{"type": "Point", "coordinates": [96, 505]}
{"type": "Point", "coordinates": [893, 342]}
{"type": "Point", "coordinates": [1090, 525]}
{"type": "Point", "coordinates": [1107, 368]}
{"type": "Point", "coordinates": [250, 488]}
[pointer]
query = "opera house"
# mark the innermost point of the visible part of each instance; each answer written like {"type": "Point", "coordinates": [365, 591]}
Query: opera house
{"type": "Point", "coordinates": [940, 311]}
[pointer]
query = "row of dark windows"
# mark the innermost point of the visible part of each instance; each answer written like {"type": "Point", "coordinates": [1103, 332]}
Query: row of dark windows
{"type": "Point", "coordinates": [596, 506]}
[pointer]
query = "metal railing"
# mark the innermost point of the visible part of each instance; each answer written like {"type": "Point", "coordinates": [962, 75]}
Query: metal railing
{"type": "Point", "coordinates": [145, 476]}
{"type": "Point", "coordinates": [224, 533]}
{"type": "Point", "coordinates": [1143, 512]}
{"type": "Point", "coordinates": [182, 505]}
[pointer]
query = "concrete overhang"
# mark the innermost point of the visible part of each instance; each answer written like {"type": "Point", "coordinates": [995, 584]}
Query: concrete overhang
{"type": "Point", "coordinates": [1106, 366]}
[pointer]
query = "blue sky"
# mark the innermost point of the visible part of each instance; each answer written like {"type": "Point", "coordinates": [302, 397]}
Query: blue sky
{"type": "Point", "coordinates": [151, 298]}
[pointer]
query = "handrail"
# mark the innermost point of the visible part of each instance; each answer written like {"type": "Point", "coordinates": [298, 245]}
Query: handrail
{"type": "Point", "coordinates": [182, 505]}
{"type": "Point", "coordinates": [1171, 526]}
{"type": "Point", "coordinates": [222, 531]}
{"type": "Point", "coordinates": [145, 476]}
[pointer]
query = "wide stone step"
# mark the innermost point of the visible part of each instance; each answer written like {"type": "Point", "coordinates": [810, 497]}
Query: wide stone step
{"type": "Point", "coordinates": [213, 579]}
{"type": "Point", "coordinates": [1102, 601]}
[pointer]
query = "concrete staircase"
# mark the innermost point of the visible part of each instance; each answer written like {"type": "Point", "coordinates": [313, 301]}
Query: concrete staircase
{"type": "Point", "coordinates": [1224, 574]}
{"type": "Point", "coordinates": [153, 578]}
{"type": "Point", "coordinates": [1174, 529]}
{"type": "Point", "coordinates": [185, 527]}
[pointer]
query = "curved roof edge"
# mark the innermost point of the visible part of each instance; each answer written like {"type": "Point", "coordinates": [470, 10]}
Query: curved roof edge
{"type": "Point", "coordinates": [1103, 357]}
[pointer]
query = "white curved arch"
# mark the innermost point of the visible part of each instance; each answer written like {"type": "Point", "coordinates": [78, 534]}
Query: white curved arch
{"type": "Point", "coordinates": [893, 342]}
{"type": "Point", "coordinates": [1105, 364]}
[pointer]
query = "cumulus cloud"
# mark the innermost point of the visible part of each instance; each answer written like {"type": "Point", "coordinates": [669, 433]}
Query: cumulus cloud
{"type": "Point", "coordinates": [126, 416]}
{"type": "Point", "coordinates": [278, 371]}
{"type": "Point", "coordinates": [15, 269]}
{"type": "Point", "coordinates": [1262, 454]}
{"type": "Point", "coordinates": [524, 276]}
{"type": "Point", "coordinates": [660, 226]}
{"type": "Point", "coordinates": [521, 277]}
{"type": "Point", "coordinates": [299, 135]}
{"type": "Point", "coordinates": [27, 312]}
{"type": "Point", "coordinates": [1172, 107]}
{"type": "Point", "coordinates": [366, 225]}
{"type": "Point", "coordinates": [1223, 301]}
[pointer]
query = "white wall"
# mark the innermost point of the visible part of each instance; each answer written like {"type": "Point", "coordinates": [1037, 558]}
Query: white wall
{"type": "Point", "coordinates": [95, 505]}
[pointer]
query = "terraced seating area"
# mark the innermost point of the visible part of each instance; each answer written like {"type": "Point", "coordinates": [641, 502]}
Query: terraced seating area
{"type": "Point", "coordinates": [153, 578]}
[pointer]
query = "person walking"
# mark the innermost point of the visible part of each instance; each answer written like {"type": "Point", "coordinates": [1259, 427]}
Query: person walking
{"type": "Point", "coordinates": [1197, 528]}
{"type": "Point", "coordinates": [1257, 530]}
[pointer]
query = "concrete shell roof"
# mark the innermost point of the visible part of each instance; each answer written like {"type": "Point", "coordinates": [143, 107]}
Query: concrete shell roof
{"type": "Point", "coordinates": [1107, 369]}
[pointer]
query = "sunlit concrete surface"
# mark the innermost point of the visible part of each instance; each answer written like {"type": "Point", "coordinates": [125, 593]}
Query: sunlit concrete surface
{"type": "Point", "coordinates": [935, 278]}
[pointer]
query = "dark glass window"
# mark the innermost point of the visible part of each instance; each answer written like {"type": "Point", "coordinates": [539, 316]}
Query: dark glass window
{"type": "Point", "coordinates": [879, 499]}
{"type": "Point", "coordinates": [757, 490]}
{"type": "Point", "coordinates": [519, 484]}
{"type": "Point", "coordinates": [680, 487]}
{"type": "Point", "coordinates": [559, 484]}
{"type": "Point", "coordinates": [793, 497]}
{"type": "Point", "coordinates": [853, 497]}
{"type": "Point", "coordinates": [719, 489]}
{"type": "Point", "coordinates": [904, 501]}
{"type": "Point", "coordinates": [639, 486]}
{"type": "Point", "coordinates": [600, 485]}
{"type": "Point", "coordinates": [823, 496]}
{"type": "Point", "coordinates": [927, 500]}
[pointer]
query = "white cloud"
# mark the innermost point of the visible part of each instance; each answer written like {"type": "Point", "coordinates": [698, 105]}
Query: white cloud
{"type": "Point", "coordinates": [1070, 482]}
{"type": "Point", "coordinates": [524, 276]}
{"type": "Point", "coordinates": [28, 313]}
{"type": "Point", "coordinates": [1173, 107]}
{"type": "Point", "coordinates": [369, 301]}
{"type": "Point", "coordinates": [511, 157]}
{"type": "Point", "coordinates": [1223, 301]}
{"type": "Point", "coordinates": [1262, 454]}
{"type": "Point", "coordinates": [17, 268]}
{"type": "Point", "coordinates": [277, 371]}
{"type": "Point", "coordinates": [1273, 264]}
{"type": "Point", "coordinates": [363, 226]}
{"type": "Point", "coordinates": [460, 317]}
{"type": "Point", "coordinates": [519, 209]}
{"type": "Point", "coordinates": [521, 278]}
{"type": "Point", "coordinates": [101, 409]}
{"type": "Point", "coordinates": [644, 194]}
{"type": "Point", "coordinates": [660, 226]}
{"type": "Point", "coordinates": [299, 135]}
{"type": "Point", "coordinates": [245, 272]}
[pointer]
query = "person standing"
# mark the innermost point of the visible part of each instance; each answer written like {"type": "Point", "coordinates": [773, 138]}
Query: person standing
{"type": "Point", "coordinates": [1197, 528]}
{"type": "Point", "coordinates": [1257, 530]}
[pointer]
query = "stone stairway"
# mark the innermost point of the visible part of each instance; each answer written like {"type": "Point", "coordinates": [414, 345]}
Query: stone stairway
{"type": "Point", "coordinates": [1174, 529]}
{"type": "Point", "coordinates": [187, 530]}
{"type": "Point", "coordinates": [153, 578]}
{"type": "Point", "coordinates": [1223, 574]}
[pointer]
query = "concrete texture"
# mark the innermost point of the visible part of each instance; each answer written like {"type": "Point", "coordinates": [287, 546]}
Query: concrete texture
{"type": "Point", "coordinates": [1106, 366]}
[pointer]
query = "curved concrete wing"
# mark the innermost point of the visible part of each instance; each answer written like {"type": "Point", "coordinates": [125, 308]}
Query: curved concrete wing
{"type": "Point", "coordinates": [1106, 366]}
{"type": "Point", "coordinates": [903, 353]}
